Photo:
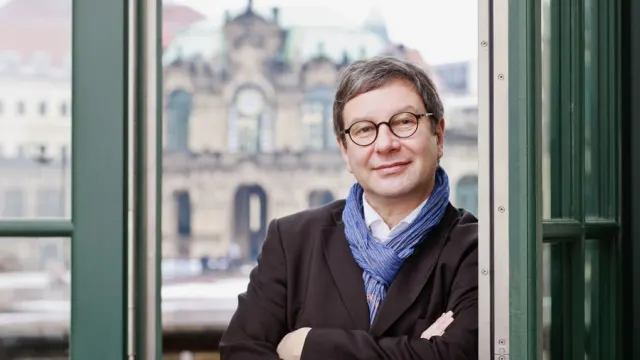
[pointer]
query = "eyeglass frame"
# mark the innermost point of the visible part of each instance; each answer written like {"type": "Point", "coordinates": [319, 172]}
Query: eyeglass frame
{"type": "Point", "coordinates": [388, 123]}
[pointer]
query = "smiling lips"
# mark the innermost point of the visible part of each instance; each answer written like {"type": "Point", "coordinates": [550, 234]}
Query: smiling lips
{"type": "Point", "coordinates": [392, 168]}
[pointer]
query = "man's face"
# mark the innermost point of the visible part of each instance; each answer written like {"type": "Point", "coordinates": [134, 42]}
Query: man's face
{"type": "Point", "coordinates": [393, 167]}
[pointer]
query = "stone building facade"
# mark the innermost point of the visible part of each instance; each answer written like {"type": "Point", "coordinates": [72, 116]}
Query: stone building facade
{"type": "Point", "coordinates": [248, 127]}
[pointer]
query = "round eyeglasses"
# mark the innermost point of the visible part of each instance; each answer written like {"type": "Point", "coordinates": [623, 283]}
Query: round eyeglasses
{"type": "Point", "coordinates": [402, 125]}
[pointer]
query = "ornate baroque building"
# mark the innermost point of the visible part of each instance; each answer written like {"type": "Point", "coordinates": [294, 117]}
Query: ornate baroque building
{"type": "Point", "coordinates": [247, 123]}
{"type": "Point", "coordinates": [248, 127]}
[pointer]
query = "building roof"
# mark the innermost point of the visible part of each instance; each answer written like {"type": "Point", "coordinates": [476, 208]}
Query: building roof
{"type": "Point", "coordinates": [35, 32]}
{"type": "Point", "coordinates": [175, 18]}
{"type": "Point", "coordinates": [310, 32]}
{"type": "Point", "coordinates": [36, 35]}
{"type": "Point", "coordinates": [38, 32]}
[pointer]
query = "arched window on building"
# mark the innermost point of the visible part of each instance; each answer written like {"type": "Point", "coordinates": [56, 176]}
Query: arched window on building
{"type": "Point", "coordinates": [313, 125]}
{"type": "Point", "coordinates": [467, 193]}
{"type": "Point", "coordinates": [179, 107]}
{"type": "Point", "coordinates": [250, 121]}
{"type": "Point", "coordinates": [250, 219]}
{"type": "Point", "coordinates": [183, 209]}
{"type": "Point", "coordinates": [317, 119]}
{"type": "Point", "coordinates": [320, 197]}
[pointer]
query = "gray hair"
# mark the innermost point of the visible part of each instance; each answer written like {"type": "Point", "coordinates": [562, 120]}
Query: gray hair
{"type": "Point", "coordinates": [366, 75]}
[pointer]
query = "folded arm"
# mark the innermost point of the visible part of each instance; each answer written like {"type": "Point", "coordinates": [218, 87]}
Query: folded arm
{"type": "Point", "coordinates": [459, 342]}
{"type": "Point", "coordinates": [259, 324]}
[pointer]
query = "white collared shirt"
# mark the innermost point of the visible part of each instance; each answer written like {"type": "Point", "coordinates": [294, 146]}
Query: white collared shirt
{"type": "Point", "coordinates": [379, 228]}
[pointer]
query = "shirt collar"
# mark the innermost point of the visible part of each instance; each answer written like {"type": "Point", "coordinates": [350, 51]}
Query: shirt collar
{"type": "Point", "coordinates": [371, 216]}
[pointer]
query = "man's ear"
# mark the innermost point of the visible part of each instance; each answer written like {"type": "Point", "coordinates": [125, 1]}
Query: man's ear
{"type": "Point", "coordinates": [439, 132]}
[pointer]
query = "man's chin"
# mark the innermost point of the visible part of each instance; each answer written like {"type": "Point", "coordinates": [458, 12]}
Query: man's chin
{"type": "Point", "coordinates": [391, 192]}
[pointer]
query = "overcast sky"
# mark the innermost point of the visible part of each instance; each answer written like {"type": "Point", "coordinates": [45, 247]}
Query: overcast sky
{"type": "Point", "coordinates": [442, 30]}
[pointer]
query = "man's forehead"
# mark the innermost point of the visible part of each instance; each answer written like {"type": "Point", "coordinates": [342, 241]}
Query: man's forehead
{"type": "Point", "coordinates": [362, 112]}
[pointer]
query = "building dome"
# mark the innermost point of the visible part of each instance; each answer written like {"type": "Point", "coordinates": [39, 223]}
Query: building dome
{"type": "Point", "coordinates": [307, 33]}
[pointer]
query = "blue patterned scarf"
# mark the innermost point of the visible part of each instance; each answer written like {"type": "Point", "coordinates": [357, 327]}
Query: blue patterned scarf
{"type": "Point", "coordinates": [381, 262]}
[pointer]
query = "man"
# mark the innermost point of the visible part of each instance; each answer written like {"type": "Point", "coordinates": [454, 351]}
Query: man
{"type": "Point", "coordinates": [388, 273]}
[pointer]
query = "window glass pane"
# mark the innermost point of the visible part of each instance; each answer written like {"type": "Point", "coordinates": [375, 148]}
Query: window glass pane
{"type": "Point", "coordinates": [556, 296]}
{"type": "Point", "coordinates": [35, 142]}
{"type": "Point", "coordinates": [14, 203]}
{"type": "Point", "coordinates": [50, 203]}
{"type": "Point", "coordinates": [592, 146]}
{"type": "Point", "coordinates": [178, 112]}
{"type": "Point", "coordinates": [35, 293]}
{"type": "Point", "coordinates": [600, 310]}
{"type": "Point", "coordinates": [546, 301]}
{"type": "Point", "coordinates": [248, 92]}
{"type": "Point", "coordinates": [561, 172]}
{"type": "Point", "coordinates": [467, 193]}
{"type": "Point", "coordinates": [600, 169]}
{"type": "Point", "coordinates": [592, 297]}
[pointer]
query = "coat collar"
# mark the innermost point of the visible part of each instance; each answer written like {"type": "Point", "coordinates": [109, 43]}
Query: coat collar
{"type": "Point", "coordinates": [405, 288]}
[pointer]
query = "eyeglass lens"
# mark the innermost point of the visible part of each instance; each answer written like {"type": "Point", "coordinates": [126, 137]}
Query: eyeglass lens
{"type": "Point", "coordinates": [365, 132]}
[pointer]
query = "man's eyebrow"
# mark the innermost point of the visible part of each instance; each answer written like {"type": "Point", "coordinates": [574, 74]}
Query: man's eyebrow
{"type": "Point", "coordinates": [405, 108]}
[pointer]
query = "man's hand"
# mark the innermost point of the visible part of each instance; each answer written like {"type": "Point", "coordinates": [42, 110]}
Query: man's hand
{"type": "Point", "coordinates": [290, 347]}
{"type": "Point", "coordinates": [438, 327]}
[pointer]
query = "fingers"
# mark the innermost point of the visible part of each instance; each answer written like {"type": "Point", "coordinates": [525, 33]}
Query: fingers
{"type": "Point", "coordinates": [439, 326]}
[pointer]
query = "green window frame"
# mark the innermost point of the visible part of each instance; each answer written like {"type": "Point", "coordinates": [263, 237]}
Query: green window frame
{"type": "Point", "coordinates": [582, 232]}
{"type": "Point", "coordinates": [630, 247]}
{"type": "Point", "coordinates": [584, 222]}
{"type": "Point", "coordinates": [97, 233]}
{"type": "Point", "coordinates": [99, 113]}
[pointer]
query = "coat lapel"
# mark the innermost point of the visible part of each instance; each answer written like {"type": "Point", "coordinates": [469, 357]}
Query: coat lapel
{"type": "Point", "coordinates": [346, 273]}
{"type": "Point", "coordinates": [413, 276]}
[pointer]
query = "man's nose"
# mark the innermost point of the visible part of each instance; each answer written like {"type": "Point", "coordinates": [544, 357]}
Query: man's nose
{"type": "Point", "coordinates": [386, 141]}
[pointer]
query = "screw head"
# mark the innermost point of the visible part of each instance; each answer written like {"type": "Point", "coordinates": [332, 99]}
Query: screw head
{"type": "Point", "coordinates": [500, 77]}
{"type": "Point", "coordinates": [501, 342]}
{"type": "Point", "coordinates": [501, 209]}
{"type": "Point", "coordinates": [484, 43]}
{"type": "Point", "coordinates": [485, 271]}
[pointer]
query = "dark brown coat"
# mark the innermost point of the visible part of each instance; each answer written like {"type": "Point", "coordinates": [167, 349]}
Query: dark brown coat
{"type": "Point", "coordinates": [307, 277]}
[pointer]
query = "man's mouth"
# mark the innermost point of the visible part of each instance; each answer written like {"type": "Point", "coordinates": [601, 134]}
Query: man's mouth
{"type": "Point", "coordinates": [393, 167]}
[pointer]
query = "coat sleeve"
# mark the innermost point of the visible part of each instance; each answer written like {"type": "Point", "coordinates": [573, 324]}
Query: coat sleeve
{"type": "Point", "coordinates": [460, 341]}
{"type": "Point", "coordinates": [259, 322]}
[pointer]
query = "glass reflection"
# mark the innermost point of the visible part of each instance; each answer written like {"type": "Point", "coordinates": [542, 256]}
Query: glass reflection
{"type": "Point", "coordinates": [591, 299]}
{"type": "Point", "coordinates": [598, 165]}
{"type": "Point", "coordinates": [546, 301]}
{"type": "Point", "coordinates": [555, 296]}
{"type": "Point", "coordinates": [252, 136]}
{"type": "Point", "coordinates": [600, 308]}
{"type": "Point", "coordinates": [35, 95]}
